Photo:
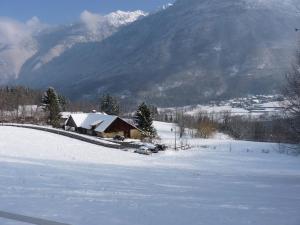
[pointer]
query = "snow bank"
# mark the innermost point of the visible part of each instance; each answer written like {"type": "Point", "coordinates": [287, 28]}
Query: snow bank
{"type": "Point", "coordinates": [33, 144]}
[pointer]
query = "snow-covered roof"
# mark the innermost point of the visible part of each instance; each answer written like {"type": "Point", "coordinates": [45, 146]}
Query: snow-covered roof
{"type": "Point", "coordinates": [88, 120]}
{"type": "Point", "coordinates": [65, 115]}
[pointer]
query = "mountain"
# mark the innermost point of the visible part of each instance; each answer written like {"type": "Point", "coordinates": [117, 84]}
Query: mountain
{"type": "Point", "coordinates": [92, 28]}
{"type": "Point", "coordinates": [42, 43]}
{"type": "Point", "coordinates": [193, 51]}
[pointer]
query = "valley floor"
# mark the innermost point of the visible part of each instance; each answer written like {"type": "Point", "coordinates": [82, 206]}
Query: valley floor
{"type": "Point", "coordinates": [217, 182]}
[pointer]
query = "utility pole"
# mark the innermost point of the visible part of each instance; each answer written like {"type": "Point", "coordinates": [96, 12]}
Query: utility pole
{"type": "Point", "coordinates": [175, 124]}
{"type": "Point", "coordinates": [175, 139]}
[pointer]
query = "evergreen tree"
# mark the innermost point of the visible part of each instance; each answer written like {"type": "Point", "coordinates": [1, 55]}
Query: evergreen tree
{"type": "Point", "coordinates": [109, 105]}
{"type": "Point", "coordinates": [144, 120]}
{"type": "Point", "coordinates": [51, 104]}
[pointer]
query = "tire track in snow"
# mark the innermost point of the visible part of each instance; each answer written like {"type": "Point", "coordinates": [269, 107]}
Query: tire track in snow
{"type": "Point", "coordinates": [28, 219]}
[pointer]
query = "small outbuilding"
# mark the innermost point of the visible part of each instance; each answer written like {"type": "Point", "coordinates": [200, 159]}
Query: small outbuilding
{"type": "Point", "coordinates": [102, 125]}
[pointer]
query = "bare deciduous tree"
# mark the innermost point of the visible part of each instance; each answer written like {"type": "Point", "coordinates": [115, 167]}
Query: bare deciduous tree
{"type": "Point", "coordinates": [292, 93]}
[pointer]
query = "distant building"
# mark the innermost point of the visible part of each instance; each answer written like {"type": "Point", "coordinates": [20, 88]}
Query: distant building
{"type": "Point", "coordinates": [29, 111]}
{"type": "Point", "coordinates": [102, 125]}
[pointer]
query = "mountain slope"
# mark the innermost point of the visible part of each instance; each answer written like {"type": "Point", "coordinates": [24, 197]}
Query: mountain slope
{"type": "Point", "coordinates": [191, 52]}
{"type": "Point", "coordinates": [91, 28]}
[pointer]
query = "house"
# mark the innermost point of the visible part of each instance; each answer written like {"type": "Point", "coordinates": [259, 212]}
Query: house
{"type": "Point", "coordinates": [102, 125]}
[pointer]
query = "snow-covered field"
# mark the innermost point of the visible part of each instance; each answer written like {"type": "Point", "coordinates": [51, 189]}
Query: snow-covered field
{"type": "Point", "coordinates": [236, 108]}
{"type": "Point", "coordinates": [220, 181]}
{"type": "Point", "coordinates": [166, 132]}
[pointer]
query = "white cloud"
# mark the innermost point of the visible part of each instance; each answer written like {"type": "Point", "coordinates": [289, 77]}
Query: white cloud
{"type": "Point", "coordinates": [17, 44]}
{"type": "Point", "coordinates": [12, 32]}
{"type": "Point", "coordinates": [35, 25]}
{"type": "Point", "coordinates": [91, 20]}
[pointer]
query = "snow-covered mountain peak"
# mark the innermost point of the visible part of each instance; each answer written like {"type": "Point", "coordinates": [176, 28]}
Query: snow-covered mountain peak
{"type": "Point", "coordinates": [95, 22]}
{"type": "Point", "coordinates": [119, 17]}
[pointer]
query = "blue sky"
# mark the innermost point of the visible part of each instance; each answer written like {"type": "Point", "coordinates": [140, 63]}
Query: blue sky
{"type": "Point", "coordinates": [64, 11]}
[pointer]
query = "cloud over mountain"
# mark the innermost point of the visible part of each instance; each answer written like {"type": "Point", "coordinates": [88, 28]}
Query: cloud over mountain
{"type": "Point", "coordinates": [17, 44]}
{"type": "Point", "coordinates": [91, 20]}
{"type": "Point", "coordinates": [19, 41]}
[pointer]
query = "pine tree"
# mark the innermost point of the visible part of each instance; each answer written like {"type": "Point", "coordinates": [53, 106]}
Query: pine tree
{"type": "Point", "coordinates": [109, 105]}
{"type": "Point", "coordinates": [144, 120]}
{"type": "Point", "coordinates": [51, 104]}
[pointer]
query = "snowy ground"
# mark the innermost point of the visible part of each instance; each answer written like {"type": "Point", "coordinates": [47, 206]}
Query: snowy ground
{"type": "Point", "coordinates": [166, 132]}
{"type": "Point", "coordinates": [219, 181]}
